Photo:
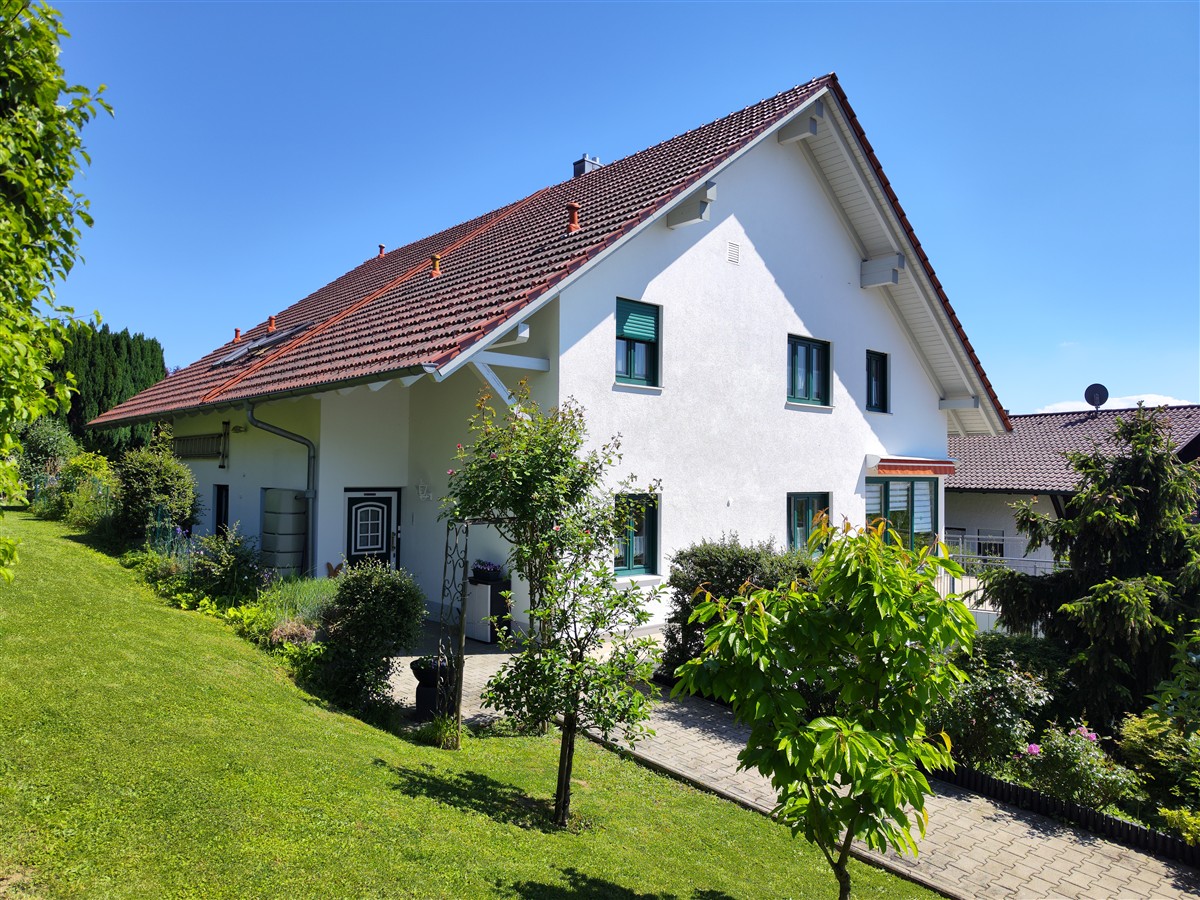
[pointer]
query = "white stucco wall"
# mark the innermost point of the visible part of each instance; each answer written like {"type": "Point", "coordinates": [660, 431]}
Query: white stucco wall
{"type": "Point", "coordinates": [975, 510]}
{"type": "Point", "coordinates": [257, 460]}
{"type": "Point", "coordinates": [720, 432]}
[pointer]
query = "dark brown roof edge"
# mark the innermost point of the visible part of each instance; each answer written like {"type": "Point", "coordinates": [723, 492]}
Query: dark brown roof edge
{"type": "Point", "coordinates": [912, 237]}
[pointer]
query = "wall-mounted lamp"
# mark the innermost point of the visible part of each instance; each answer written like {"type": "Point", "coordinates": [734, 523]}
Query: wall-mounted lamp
{"type": "Point", "coordinates": [238, 429]}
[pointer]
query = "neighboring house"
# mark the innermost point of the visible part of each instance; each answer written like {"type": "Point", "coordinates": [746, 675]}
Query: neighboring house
{"type": "Point", "coordinates": [1030, 463]}
{"type": "Point", "coordinates": [745, 303]}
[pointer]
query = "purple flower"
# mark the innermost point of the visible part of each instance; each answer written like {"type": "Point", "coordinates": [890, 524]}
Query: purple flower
{"type": "Point", "coordinates": [1033, 749]}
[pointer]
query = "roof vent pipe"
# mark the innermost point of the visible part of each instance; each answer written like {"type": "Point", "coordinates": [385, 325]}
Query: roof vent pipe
{"type": "Point", "coordinates": [586, 164]}
{"type": "Point", "coordinates": [270, 324]}
{"type": "Point", "coordinates": [237, 335]}
{"type": "Point", "coordinates": [573, 208]}
{"type": "Point", "coordinates": [381, 250]}
{"type": "Point", "coordinates": [436, 260]}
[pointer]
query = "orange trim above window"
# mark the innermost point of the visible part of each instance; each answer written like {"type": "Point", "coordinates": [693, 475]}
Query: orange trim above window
{"type": "Point", "coordinates": [927, 467]}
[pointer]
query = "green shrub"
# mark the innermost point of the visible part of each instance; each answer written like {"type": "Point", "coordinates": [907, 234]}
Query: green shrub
{"type": "Point", "coordinates": [987, 717]}
{"type": "Point", "coordinates": [722, 567]}
{"type": "Point", "coordinates": [1167, 759]}
{"type": "Point", "coordinates": [376, 614]}
{"type": "Point", "coordinates": [152, 479]}
{"type": "Point", "coordinates": [87, 490]}
{"type": "Point", "coordinates": [225, 566]}
{"type": "Point", "coordinates": [1185, 822]}
{"type": "Point", "coordinates": [46, 444]}
{"type": "Point", "coordinates": [1070, 764]}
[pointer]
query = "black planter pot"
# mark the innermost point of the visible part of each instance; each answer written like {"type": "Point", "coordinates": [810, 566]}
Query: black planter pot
{"type": "Point", "coordinates": [483, 577]}
{"type": "Point", "coordinates": [435, 686]}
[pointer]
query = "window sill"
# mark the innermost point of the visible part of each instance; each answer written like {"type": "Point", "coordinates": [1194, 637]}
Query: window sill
{"type": "Point", "coordinates": [879, 412]}
{"type": "Point", "coordinates": [641, 581]}
{"type": "Point", "coordinates": [808, 407]}
{"type": "Point", "coordinates": [650, 390]}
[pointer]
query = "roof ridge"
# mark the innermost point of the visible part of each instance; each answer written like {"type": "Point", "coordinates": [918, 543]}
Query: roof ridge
{"type": "Point", "coordinates": [1115, 409]}
{"type": "Point", "coordinates": [373, 295]}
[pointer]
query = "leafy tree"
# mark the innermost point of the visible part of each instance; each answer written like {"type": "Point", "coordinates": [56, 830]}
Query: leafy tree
{"type": "Point", "coordinates": [40, 214]}
{"type": "Point", "coordinates": [872, 634]}
{"type": "Point", "coordinates": [531, 475]}
{"type": "Point", "coordinates": [1133, 567]}
{"type": "Point", "coordinates": [109, 368]}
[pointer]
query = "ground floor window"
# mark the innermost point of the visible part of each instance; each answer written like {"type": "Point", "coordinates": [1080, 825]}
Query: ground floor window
{"type": "Point", "coordinates": [637, 546]}
{"type": "Point", "coordinates": [908, 504]}
{"type": "Point", "coordinates": [801, 510]}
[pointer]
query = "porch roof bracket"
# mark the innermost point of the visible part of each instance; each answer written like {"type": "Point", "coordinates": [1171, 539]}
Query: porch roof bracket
{"type": "Point", "coordinates": [881, 270]}
{"type": "Point", "coordinates": [805, 125]}
{"type": "Point", "coordinates": [492, 380]}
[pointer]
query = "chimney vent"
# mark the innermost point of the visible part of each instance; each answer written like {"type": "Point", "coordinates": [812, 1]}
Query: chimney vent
{"type": "Point", "coordinates": [270, 324]}
{"type": "Point", "coordinates": [436, 259]}
{"type": "Point", "coordinates": [586, 164]}
{"type": "Point", "coordinates": [381, 250]}
{"type": "Point", "coordinates": [573, 209]}
{"type": "Point", "coordinates": [237, 335]}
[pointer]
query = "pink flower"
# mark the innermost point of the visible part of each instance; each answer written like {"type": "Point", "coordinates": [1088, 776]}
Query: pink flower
{"type": "Point", "coordinates": [1091, 736]}
{"type": "Point", "coordinates": [557, 528]}
{"type": "Point", "coordinates": [1033, 749]}
{"type": "Point", "coordinates": [459, 446]}
{"type": "Point", "coordinates": [493, 456]}
{"type": "Point", "coordinates": [449, 471]}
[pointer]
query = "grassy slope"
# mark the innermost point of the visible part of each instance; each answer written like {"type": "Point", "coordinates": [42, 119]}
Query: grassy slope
{"type": "Point", "coordinates": [146, 751]}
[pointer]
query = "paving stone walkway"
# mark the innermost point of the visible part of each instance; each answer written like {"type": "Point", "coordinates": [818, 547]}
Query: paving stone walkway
{"type": "Point", "coordinates": [974, 847]}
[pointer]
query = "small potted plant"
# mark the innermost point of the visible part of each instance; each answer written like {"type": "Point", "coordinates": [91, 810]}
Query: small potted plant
{"type": "Point", "coordinates": [487, 572]}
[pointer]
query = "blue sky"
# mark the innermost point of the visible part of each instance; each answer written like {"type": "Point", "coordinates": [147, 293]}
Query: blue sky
{"type": "Point", "coordinates": [1047, 154]}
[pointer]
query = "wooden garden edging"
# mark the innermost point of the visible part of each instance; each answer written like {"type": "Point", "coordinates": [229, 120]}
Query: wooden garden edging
{"type": "Point", "coordinates": [1126, 833]}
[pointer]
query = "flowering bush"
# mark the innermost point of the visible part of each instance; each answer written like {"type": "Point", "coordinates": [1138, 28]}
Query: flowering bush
{"type": "Point", "coordinates": [1070, 764]}
{"type": "Point", "coordinates": [987, 717]}
{"type": "Point", "coordinates": [225, 566]}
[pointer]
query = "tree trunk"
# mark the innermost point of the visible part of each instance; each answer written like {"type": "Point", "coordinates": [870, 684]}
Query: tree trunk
{"type": "Point", "coordinates": [566, 758]}
{"type": "Point", "coordinates": [843, 879]}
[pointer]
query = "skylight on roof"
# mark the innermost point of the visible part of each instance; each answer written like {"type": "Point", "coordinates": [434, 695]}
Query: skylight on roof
{"type": "Point", "coordinates": [247, 349]}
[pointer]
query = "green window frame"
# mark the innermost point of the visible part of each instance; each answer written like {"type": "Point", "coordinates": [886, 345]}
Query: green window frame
{"type": "Point", "coordinates": [801, 510]}
{"type": "Point", "coordinates": [910, 506]}
{"type": "Point", "coordinates": [637, 343]}
{"type": "Point", "coordinates": [877, 381]}
{"type": "Point", "coordinates": [636, 552]}
{"type": "Point", "coordinates": [808, 371]}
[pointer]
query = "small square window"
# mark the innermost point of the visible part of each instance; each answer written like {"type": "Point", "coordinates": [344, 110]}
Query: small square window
{"type": "Point", "coordinates": [636, 552]}
{"type": "Point", "coordinates": [801, 510]}
{"type": "Point", "coordinates": [637, 343]}
{"type": "Point", "coordinates": [877, 381]}
{"type": "Point", "coordinates": [808, 371]}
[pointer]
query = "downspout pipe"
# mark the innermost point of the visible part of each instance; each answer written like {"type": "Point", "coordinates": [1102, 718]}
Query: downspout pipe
{"type": "Point", "coordinates": [310, 490]}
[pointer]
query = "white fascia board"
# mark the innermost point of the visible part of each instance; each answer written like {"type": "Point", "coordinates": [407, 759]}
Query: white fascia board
{"type": "Point", "coordinates": [887, 214]}
{"type": "Point", "coordinates": [463, 358]}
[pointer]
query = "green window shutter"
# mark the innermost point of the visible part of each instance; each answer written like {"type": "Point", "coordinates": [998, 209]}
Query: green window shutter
{"type": "Point", "coordinates": [637, 321]}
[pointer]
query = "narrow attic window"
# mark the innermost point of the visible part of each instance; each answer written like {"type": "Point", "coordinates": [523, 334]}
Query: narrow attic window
{"type": "Point", "coordinates": [247, 349]}
{"type": "Point", "coordinates": [735, 253]}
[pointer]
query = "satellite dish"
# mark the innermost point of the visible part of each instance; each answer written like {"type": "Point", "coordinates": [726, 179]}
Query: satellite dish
{"type": "Point", "coordinates": [1096, 396]}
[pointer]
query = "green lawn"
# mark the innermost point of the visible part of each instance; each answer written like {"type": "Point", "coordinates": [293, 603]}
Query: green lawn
{"type": "Point", "coordinates": [149, 752]}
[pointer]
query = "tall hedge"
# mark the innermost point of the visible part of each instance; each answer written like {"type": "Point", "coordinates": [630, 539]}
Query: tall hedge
{"type": "Point", "coordinates": [721, 567]}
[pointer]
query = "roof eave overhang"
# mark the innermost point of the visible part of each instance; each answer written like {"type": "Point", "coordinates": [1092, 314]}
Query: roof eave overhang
{"type": "Point", "coordinates": [240, 402]}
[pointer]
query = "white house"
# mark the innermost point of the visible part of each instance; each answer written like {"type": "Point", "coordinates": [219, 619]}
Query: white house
{"type": "Point", "coordinates": [1030, 463]}
{"type": "Point", "coordinates": [745, 303]}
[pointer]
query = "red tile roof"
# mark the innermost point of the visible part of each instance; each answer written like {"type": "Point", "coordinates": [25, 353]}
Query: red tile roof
{"type": "Point", "coordinates": [1032, 457]}
{"type": "Point", "coordinates": [389, 315]}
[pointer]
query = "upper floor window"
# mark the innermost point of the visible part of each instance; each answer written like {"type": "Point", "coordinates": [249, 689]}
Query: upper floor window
{"type": "Point", "coordinates": [637, 343]}
{"type": "Point", "coordinates": [908, 504]}
{"type": "Point", "coordinates": [801, 510]}
{"type": "Point", "coordinates": [808, 371]}
{"type": "Point", "coordinates": [877, 381]}
{"type": "Point", "coordinates": [636, 552]}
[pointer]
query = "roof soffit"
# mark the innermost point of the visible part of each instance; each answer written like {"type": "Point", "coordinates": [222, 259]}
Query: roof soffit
{"type": "Point", "coordinates": [868, 211]}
